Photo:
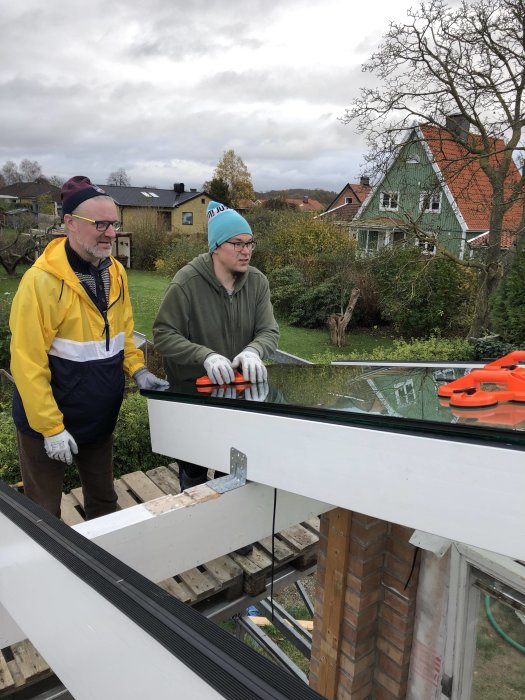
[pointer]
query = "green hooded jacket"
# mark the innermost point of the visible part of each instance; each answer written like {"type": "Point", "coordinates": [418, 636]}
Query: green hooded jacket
{"type": "Point", "coordinates": [197, 317]}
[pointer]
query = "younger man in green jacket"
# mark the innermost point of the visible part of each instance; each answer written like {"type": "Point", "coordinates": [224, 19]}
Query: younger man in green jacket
{"type": "Point", "coordinates": [217, 315]}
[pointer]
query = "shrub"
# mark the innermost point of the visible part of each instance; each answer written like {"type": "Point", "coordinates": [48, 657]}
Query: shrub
{"type": "Point", "coordinates": [313, 307]}
{"type": "Point", "coordinates": [434, 349]}
{"type": "Point", "coordinates": [287, 285]}
{"type": "Point", "coordinates": [9, 464]}
{"type": "Point", "coordinates": [132, 442]}
{"type": "Point", "coordinates": [422, 296]}
{"type": "Point", "coordinates": [149, 237]}
{"type": "Point", "coordinates": [179, 250]}
{"type": "Point", "coordinates": [5, 332]}
{"type": "Point", "coordinates": [508, 304]}
{"type": "Point", "coordinates": [491, 347]}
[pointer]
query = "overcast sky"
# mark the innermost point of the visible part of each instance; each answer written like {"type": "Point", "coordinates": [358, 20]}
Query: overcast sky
{"type": "Point", "coordinates": [162, 88]}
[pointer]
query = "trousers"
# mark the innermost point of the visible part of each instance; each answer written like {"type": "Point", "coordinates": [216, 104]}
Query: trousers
{"type": "Point", "coordinates": [43, 477]}
{"type": "Point", "coordinates": [193, 475]}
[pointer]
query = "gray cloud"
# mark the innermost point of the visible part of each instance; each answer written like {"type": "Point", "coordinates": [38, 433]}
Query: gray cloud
{"type": "Point", "coordinates": [163, 90]}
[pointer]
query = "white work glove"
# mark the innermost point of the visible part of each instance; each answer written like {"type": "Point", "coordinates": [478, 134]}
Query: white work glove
{"type": "Point", "coordinates": [61, 446]}
{"type": "Point", "coordinates": [253, 369]}
{"type": "Point", "coordinates": [219, 369]}
{"type": "Point", "coordinates": [256, 392]}
{"type": "Point", "coordinates": [146, 380]}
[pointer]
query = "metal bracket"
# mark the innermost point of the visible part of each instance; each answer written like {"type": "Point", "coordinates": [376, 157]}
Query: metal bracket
{"type": "Point", "coordinates": [237, 475]}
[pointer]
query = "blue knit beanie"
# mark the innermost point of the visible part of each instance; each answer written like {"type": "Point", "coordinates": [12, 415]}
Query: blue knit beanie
{"type": "Point", "coordinates": [224, 223]}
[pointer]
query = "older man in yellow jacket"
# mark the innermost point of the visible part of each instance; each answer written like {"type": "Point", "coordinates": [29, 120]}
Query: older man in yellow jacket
{"type": "Point", "coordinates": [72, 341]}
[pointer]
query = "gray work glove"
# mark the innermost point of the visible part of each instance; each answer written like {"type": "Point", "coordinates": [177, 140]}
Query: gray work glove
{"type": "Point", "coordinates": [253, 369]}
{"type": "Point", "coordinates": [219, 369]}
{"type": "Point", "coordinates": [146, 380]}
{"type": "Point", "coordinates": [256, 392]}
{"type": "Point", "coordinates": [61, 446]}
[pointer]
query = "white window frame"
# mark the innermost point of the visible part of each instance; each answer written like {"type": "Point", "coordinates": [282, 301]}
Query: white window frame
{"type": "Point", "coordinates": [348, 200]}
{"type": "Point", "coordinates": [390, 196]}
{"type": "Point", "coordinates": [426, 247]}
{"type": "Point", "coordinates": [464, 605]}
{"type": "Point", "coordinates": [431, 197]}
{"type": "Point", "coordinates": [186, 214]}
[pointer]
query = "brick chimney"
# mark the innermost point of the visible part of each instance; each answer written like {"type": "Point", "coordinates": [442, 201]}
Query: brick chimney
{"type": "Point", "coordinates": [178, 187]}
{"type": "Point", "coordinates": [458, 125]}
{"type": "Point", "coordinates": [364, 181]}
{"type": "Point", "coordinates": [305, 199]}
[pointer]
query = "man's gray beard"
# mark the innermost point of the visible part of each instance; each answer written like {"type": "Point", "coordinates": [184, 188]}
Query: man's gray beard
{"type": "Point", "coordinates": [96, 253]}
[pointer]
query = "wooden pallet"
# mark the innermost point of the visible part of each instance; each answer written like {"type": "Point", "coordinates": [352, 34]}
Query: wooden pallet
{"type": "Point", "coordinates": [21, 665]}
{"type": "Point", "coordinates": [226, 577]}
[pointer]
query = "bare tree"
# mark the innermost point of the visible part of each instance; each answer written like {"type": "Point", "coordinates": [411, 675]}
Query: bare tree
{"type": "Point", "coordinates": [10, 173]}
{"type": "Point", "coordinates": [470, 61]}
{"type": "Point", "coordinates": [119, 177]}
{"type": "Point", "coordinates": [56, 180]}
{"type": "Point", "coordinates": [30, 170]}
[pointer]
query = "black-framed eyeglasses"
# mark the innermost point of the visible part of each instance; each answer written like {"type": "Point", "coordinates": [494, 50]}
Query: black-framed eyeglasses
{"type": "Point", "coordinates": [101, 226]}
{"type": "Point", "coordinates": [240, 245]}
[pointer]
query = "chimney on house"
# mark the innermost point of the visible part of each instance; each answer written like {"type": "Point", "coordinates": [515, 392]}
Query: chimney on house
{"type": "Point", "coordinates": [364, 181]}
{"type": "Point", "coordinates": [458, 125]}
{"type": "Point", "coordinates": [178, 187]}
{"type": "Point", "coordinates": [305, 199]}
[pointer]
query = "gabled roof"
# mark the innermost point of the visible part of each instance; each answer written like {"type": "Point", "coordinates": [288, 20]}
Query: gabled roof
{"type": "Point", "coordinates": [359, 190]}
{"type": "Point", "coordinates": [468, 184]}
{"type": "Point", "coordinates": [24, 190]}
{"type": "Point", "coordinates": [148, 196]}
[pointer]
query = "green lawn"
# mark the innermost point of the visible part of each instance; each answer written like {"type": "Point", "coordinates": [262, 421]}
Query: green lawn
{"type": "Point", "coordinates": [147, 289]}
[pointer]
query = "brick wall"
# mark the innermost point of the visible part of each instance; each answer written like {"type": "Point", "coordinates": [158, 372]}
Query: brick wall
{"type": "Point", "coordinates": [363, 629]}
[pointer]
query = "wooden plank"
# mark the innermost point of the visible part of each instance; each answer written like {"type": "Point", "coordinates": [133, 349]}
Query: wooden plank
{"type": "Point", "coordinates": [313, 524]}
{"type": "Point", "coordinates": [77, 493]}
{"type": "Point", "coordinates": [6, 678]}
{"type": "Point", "coordinates": [282, 552]}
{"type": "Point", "coordinates": [331, 614]}
{"type": "Point", "coordinates": [256, 566]}
{"type": "Point", "coordinates": [262, 621]}
{"type": "Point", "coordinates": [228, 574]}
{"type": "Point", "coordinates": [124, 497]}
{"type": "Point", "coordinates": [165, 479]}
{"type": "Point", "coordinates": [178, 590]}
{"type": "Point", "coordinates": [199, 583]}
{"type": "Point", "coordinates": [299, 538]}
{"type": "Point", "coordinates": [28, 660]}
{"type": "Point", "coordinates": [141, 486]}
{"type": "Point", "coordinates": [18, 678]}
{"type": "Point", "coordinates": [68, 513]}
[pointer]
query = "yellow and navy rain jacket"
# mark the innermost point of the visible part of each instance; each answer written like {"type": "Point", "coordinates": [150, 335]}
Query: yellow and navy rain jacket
{"type": "Point", "coordinates": [67, 360]}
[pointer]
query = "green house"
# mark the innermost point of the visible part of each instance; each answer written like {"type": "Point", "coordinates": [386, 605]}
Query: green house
{"type": "Point", "coordinates": [433, 190]}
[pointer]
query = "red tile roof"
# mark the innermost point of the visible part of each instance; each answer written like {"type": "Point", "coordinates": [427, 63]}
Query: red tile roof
{"type": "Point", "coordinates": [468, 183]}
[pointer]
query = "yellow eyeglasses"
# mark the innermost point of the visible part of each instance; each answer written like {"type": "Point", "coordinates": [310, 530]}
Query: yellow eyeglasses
{"type": "Point", "coordinates": [101, 226]}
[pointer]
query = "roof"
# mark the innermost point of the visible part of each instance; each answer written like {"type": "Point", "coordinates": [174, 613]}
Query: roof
{"type": "Point", "coordinates": [346, 212]}
{"type": "Point", "coordinates": [23, 190]}
{"type": "Point", "coordinates": [305, 204]}
{"type": "Point", "coordinates": [467, 182]}
{"type": "Point", "coordinates": [148, 196]}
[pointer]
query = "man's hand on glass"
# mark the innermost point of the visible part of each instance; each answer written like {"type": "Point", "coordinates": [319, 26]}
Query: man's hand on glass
{"type": "Point", "coordinates": [219, 369]}
{"type": "Point", "coordinates": [253, 369]}
{"type": "Point", "coordinates": [225, 392]}
{"type": "Point", "coordinates": [146, 380]}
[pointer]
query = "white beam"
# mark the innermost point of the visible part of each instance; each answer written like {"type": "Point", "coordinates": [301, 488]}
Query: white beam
{"type": "Point", "coordinates": [96, 650]}
{"type": "Point", "coordinates": [172, 534]}
{"type": "Point", "coordinates": [443, 487]}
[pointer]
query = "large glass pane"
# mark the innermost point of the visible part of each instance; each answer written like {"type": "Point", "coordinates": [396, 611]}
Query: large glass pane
{"type": "Point", "coordinates": [499, 666]}
{"type": "Point", "coordinates": [389, 397]}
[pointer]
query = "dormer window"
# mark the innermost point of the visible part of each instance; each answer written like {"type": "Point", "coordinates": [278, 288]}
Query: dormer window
{"type": "Point", "coordinates": [389, 201]}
